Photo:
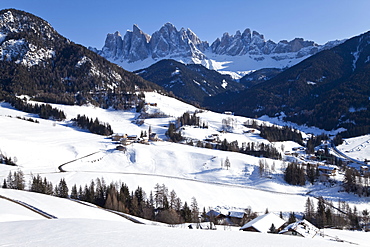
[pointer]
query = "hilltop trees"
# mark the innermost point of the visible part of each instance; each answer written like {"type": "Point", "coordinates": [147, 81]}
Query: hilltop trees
{"type": "Point", "coordinates": [172, 134]}
{"type": "Point", "coordinates": [357, 183]}
{"type": "Point", "coordinates": [15, 181]}
{"type": "Point", "coordinates": [298, 174]}
{"type": "Point", "coordinates": [94, 126]}
{"type": "Point", "coordinates": [45, 111]}
{"type": "Point", "coordinates": [294, 174]}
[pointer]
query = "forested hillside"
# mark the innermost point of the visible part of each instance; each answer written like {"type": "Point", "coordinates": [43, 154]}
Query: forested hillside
{"type": "Point", "coordinates": [329, 90]}
{"type": "Point", "coordinates": [37, 61]}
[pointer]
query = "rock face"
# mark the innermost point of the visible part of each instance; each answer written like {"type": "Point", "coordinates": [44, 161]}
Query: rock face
{"type": "Point", "coordinates": [167, 42]}
{"type": "Point", "coordinates": [184, 45]}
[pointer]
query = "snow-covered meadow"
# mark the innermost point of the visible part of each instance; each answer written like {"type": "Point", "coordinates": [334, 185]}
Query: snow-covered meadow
{"type": "Point", "coordinates": [190, 171]}
{"type": "Point", "coordinates": [40, 148]}
{"type": "Point", "coordinates": [83, 225]}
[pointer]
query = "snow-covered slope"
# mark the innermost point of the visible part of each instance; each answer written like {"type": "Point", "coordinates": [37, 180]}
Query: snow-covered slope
{"type": "Point", "coordinates": [82, 225]}
{"type": "Point", "coordinates": [356, 147]}
{"type": "Point", "coordinates": [40, 148]}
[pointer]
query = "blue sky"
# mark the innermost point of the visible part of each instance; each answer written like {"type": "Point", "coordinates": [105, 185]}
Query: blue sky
{"type": "Point", "coordinates": [88, 22]}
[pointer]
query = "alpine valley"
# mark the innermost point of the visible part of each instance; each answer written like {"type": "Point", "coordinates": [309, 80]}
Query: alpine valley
{"type": "Point", "coordinates": [151, 136]}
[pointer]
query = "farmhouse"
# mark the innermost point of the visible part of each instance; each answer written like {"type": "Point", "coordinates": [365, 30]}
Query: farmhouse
{"type": "Point", "coordinates": [327, 170]}
{"type": "Point", "coordinates": [118, 137]}
{"type": "Point", "coordinates": [154, 137]}
{"type": "Point", "coordinates": [232, 218]}
{"type": "Point", "coordinates": [264, 223]}
{"type": "Point", "coordinates": [301, 228]}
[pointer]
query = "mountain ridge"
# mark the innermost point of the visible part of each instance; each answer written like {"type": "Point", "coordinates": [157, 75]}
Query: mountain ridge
{"type": "Point", "coordinates": [328, 90]}
{"type": "Point", "coordinates": [244, 51]}
{"type": "Point", "coordinates": [191, 82]}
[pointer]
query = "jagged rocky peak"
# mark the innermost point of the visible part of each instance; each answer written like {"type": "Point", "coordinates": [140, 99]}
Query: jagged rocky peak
{"type": "Point", "coordinates": [166, 42]}
{"type": "Point", "coordinates": [136, 45]}
{"type": "Point", "coordinates": [254, 43]}
{"type": "Point", "coordinates": [238, 44]}
{"type": "Point", "coordinates": [113, 45]}
{"type": "Point", "coordinates": [185, 45]}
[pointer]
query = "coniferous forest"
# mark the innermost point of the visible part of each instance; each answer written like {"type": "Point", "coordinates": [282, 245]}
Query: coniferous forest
{"type": "Point", "coordinates": [94, 126]}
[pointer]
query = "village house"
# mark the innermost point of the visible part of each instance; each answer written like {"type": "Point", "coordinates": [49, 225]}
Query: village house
{"type": "Point", "coordinates": [264, 223]}
{"type": "Point", "coordinates": [212, 138]}
{"type": "Point", "coordinates": [327, 170]}
{"type": "Point", "coordinates": [118, 137]}
{"type": "Point", "coordinates": [301, 228]}
{"type": "Point", "coordinates": [230, 218]}
{"type": "Point", "coordinates": [154, 137]}
{"type": "Point", "coordinates": [364, 170]}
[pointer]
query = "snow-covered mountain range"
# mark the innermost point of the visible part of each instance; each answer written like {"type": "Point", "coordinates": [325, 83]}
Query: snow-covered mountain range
{"type": "Point", "coordinates": [243, 51]}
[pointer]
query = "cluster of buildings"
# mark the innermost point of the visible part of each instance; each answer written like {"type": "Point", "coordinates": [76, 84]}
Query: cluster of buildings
{"type": "Point", "coordinates": [266, 223]}
{"type": "Point", "coordinates": [124, 140]}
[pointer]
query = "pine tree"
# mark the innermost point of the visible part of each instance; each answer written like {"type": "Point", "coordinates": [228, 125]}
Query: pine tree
{"type": "Point", "coordinates": [227, 163]}
{"type": "Point", "coordinates": [320, 213]}
{"type": "Point", "coordinates": [186, 213]}
{"type": "Point", "coordinates": [292, 218]}
{"type": "Point", "coordinates": [5, 186]}
{"type": "Point", "coordinates": [272, 228]}
{"type": "Point", "coordinates": [194, 210]}
{"type": "Point", "coordinates": [62, 189]}
{"type": "Point", "coordinates": [74, 193]}
{"type": "Point", "coordinates": [309, 210]}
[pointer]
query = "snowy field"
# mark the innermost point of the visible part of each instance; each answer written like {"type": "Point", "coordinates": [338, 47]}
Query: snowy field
{"type": "Point", "coordinates": [88, 226]}
{"type": "Point", "coordinates": [357, 147]}
{"type": "Point", "coordinates": [190, 171]}
{"type": "Point", "coordinates": [40, 148]}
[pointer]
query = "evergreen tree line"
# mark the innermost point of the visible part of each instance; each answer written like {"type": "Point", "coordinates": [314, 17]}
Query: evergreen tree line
{"type": "Point", "coordinates": [275, 133]}
{"type": "Point", "coordinates": [260, 149]}
{"type": "Point", "coordinates": [161, 205]}
{"type": "Point", "coordinates": [340, 216]}
{"type": "Point", "coordinates": [173, 134]}
{"type": "Point", "coordinates": [28, 119]}
{"type": "Point", "coordinates": [45, 111]}
{"type": "Point", "coordinates": [315, 141]}
{"type": "Point", "coordinates": [354, 130]}
{"type": "Point", "coordinates": [296, 174]}
{"type": "Point", "coordinates": [357, 182]}
{"type": "Point", "coordinates": [249, 148]}
{"type": "Point", "coordinates": [6, 160]}
{"type": "Point", "coordinates": [186, 119]}
{"type": "Point", "coordinates": [94, 126]}
{"type": "Point", "coordinates": [15, 181]}
{"type": "Point", "coordinates": [190, 119]}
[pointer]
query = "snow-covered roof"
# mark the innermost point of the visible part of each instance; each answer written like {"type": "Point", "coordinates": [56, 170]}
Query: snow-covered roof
{"type": "Point", "coordinates": [213, 213]}
{"type": "Point", "coordinates": [327, 168]}
{"type": "Point", "coordinates": [236, 214]}
{"type": "Point", "coordinates": [303, 227]}
{"type": "Point", "coordinates": [263, 223]}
